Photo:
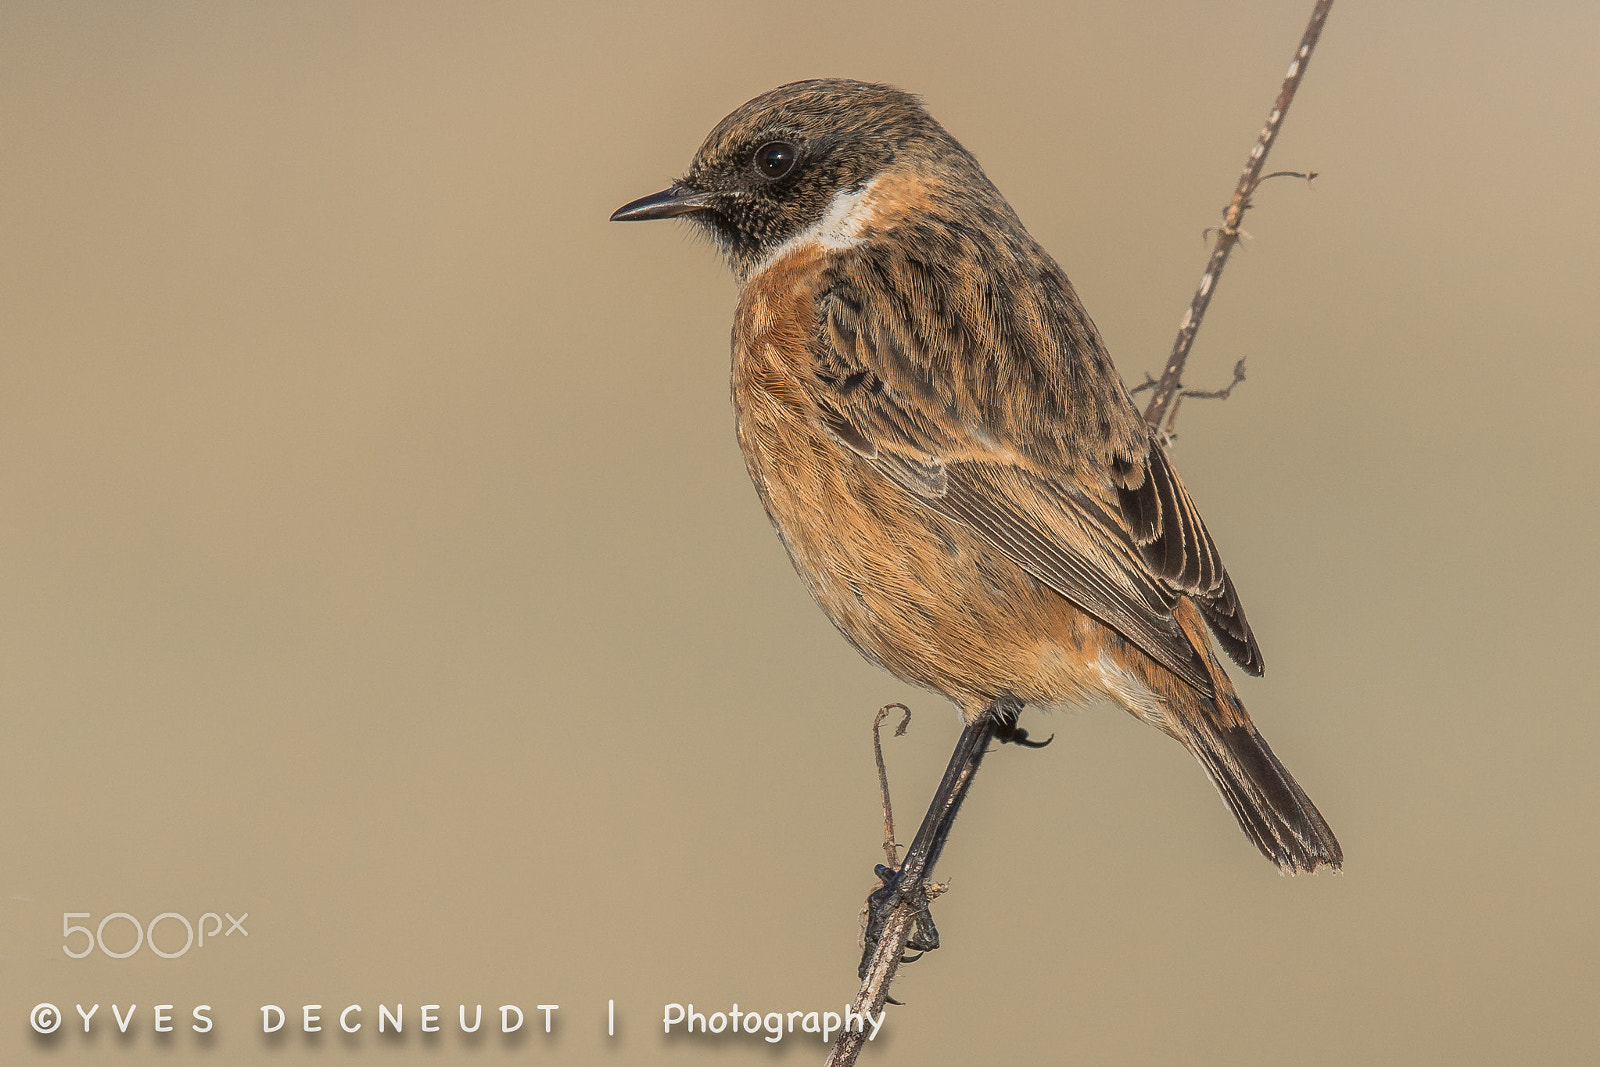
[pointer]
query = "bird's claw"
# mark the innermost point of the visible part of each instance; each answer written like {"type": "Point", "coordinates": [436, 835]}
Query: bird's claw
{"type": "Point", "coordinates": [882, 904]}
{"type": "Point", "coordinates": [1016, 735]}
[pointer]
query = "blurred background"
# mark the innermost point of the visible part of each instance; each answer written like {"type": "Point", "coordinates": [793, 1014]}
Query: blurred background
{"type": "Point", "coordinates": [376, 557]}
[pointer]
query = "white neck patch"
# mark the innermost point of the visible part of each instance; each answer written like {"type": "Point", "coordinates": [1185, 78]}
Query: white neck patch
{"type": "Point", "coordinates": [840, 227]}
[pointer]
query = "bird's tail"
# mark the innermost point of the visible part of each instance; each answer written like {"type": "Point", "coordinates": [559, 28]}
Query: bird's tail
{"type": "Point", "coordinates": [1272, 809]}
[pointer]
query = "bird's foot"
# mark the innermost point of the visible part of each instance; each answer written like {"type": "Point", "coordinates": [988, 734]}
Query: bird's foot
{"type": "Point", "coordinates": [1016, 735]}
{"type": "Point", "coordinates": [882, 904]}
{"type": "Point", "coordinates": [1006, 730]}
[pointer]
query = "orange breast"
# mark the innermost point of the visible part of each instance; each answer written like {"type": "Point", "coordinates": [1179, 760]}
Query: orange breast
{"type": "Point", "coordinates": [916, 592]}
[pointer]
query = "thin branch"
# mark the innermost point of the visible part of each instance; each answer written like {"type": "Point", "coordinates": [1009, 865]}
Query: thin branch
{"type": "Point", "coordinates": [1169, 431]}
{"type": "Point", "coordinates": [1228, 233]}
{"type": "Point", "coordinates": [889, 847]}
{"type": "Point", "coordinates": [1217, 394]}
{"type": "Point", "coordinates": [1307, 176]}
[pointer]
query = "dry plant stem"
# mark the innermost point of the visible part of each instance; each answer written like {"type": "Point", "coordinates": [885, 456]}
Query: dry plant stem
{"type": "Point", "coordinates": [889, 846]}
{"type": "Point", "coordinates": [915, 872]}
{"type": "Point", "coordinates": [1201, 394]}
{"type": "Point", "coordinates": [1163, 403]}
{"type": "Point", "coordinates": [874, 990]}
{"type": "Point", "coordinates": [918, 866]}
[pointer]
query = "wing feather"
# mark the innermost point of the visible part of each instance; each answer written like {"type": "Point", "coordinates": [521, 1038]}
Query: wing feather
{"type": "Point", "coordinates": [1111, 529]}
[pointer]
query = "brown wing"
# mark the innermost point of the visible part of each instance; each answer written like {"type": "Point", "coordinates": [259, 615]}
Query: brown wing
{"type": "Point", "coordinates": [1038, 451]}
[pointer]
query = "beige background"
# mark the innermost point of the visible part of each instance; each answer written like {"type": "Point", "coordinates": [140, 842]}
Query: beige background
{"type": "Point", "coordinates": [376, 558]}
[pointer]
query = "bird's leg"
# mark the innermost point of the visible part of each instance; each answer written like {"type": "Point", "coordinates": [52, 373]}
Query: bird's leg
{"type": "Point", "coordinates": [908, 884]}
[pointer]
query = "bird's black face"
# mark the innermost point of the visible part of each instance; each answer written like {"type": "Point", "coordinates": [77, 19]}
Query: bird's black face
{"type": "Point", "coordinates": [772, 168]}
{"type": "Point", "coordinates": [768, 185]}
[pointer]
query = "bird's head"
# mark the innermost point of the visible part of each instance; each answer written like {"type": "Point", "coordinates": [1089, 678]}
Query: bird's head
{"type": "Point", "coordinates": [777, 166]}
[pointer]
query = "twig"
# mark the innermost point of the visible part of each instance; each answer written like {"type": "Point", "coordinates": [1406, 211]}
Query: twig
{"type": "Point", "coordinates": [1223, 393]}
{"type": "Point", "coordinates": [1228, 234]}
{"type": "Point", "coordinates": [889, 846]}
{"type": "Point", "coordinates": [874, 992]}
{"type": "Point", "coordinates": [889, 951]}
{"type": "Point", "coordinates": [1199, 394]}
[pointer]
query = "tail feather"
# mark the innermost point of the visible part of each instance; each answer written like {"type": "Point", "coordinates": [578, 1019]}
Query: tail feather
{"type": "Point", "coordinates": [1272, 809]}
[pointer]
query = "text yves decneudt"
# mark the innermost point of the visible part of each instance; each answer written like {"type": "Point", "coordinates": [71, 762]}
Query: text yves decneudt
{"type": "Point", "coordinates": [677, 1019]}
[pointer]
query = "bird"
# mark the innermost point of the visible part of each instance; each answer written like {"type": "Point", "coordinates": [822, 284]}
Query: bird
{"type": "Point", "coordinates": [946, 450]}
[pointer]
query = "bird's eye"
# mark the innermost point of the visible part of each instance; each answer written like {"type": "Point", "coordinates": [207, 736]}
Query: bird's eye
{"type": "Point", "coordinates": [775, 159]}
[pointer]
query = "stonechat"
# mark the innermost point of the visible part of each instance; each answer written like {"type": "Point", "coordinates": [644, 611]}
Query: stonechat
{"type": "Point", "coordinates": [946, 451]}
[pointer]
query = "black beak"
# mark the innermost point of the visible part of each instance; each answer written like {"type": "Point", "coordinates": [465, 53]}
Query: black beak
{"type": "Point", "coordinates": [667, 204]}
